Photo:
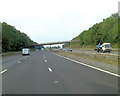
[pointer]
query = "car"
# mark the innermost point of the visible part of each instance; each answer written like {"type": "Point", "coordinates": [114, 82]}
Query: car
{"type": "Point", "coordinates": [25, 51]}
{"type": "Point", "coordinates": [68, 49]}
{"type": "Point", "coordinates": [64, 49]}
{"type": "Point", "coordinates": [105, 47]}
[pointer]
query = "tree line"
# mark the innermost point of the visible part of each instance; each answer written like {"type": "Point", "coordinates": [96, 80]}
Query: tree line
{"type": "Point", "coordinates": [105, 31]}
{"type": "Point", "coordinates": [13, 39]}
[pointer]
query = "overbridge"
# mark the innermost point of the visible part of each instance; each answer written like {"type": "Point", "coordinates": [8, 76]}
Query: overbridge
{"type": "Point", "coordinates": [60, 42]}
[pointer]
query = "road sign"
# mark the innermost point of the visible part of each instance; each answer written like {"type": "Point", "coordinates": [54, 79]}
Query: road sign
{"type": "Point", "coordinates": [36, 47]}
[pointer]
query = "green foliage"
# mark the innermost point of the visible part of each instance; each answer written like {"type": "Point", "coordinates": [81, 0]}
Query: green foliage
{"type": "Point", "coordinates": [106, 31]}
{"type": "Point", "coordinates": [13, 40]}
{"type": "Point", "coordinates": [56, 47]}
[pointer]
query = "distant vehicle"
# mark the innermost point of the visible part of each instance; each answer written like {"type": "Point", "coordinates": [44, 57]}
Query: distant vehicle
{"type": "Point", "coordinates": [64, 49]}
{"type": "Point", "coordinates": [68, 49]}
{"type": "Point", "coordinates": [25, 51]}
{"type": "Point", "coordinates": [105, 47]}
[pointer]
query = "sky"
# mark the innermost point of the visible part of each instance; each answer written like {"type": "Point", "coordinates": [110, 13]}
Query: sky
{"type": "Point", "coordinates": [55, 20]}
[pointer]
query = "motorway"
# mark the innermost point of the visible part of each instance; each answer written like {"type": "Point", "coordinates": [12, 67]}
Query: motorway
{"type": "Point", "coordinates": [46, 73]}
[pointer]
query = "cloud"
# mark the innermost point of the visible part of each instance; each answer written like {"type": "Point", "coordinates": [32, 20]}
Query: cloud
{"type": "Point", "coordinates": [55, 20]}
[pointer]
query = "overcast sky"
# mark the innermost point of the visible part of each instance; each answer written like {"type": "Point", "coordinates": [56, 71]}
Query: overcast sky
{"type": "Point", "coordinates": [55, 20]}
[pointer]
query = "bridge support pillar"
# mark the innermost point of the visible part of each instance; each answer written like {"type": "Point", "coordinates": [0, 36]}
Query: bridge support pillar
{"type": "Point", "coordinates": [50, 47]}
{"type": "Point", "coordinates": [69, 44]}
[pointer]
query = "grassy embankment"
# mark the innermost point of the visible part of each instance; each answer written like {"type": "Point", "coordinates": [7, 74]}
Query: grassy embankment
{"type": "Point", "coordinates": [105, 31]}
{"type": "Point", "coordinates": [103, 58]}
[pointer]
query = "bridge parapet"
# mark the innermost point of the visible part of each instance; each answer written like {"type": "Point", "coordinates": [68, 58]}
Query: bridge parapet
{"type": "Point", "coordinates": [60, 42]}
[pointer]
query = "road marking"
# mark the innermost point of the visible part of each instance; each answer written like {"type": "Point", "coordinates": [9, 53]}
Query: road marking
{"type": "Point", "coordinates": [3, 71]}
{"type": "Point", "coordinates": [55, 81]}
{"type": "Point", "coordinates": [114, 74]}
{"type": "Point", "coordinates": [50, 69]}
{"type": "Point", "coordinates": [44, 57]}
{"type": "Point", "coordinates": [19, 62]}
{"type": "Point", "coordinates": [45, 60]}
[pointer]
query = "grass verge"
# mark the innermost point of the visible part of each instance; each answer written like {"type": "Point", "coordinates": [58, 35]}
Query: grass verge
{"type": "Point", "coordinates": [100, 58]}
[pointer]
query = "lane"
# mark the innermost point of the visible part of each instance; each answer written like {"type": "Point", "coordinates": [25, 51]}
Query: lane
{"type": "Point", "coordinates": [34, 75]}
{"type": "Point", "coordinates": [90, 66]}
{"type": "Point", "coordinates": [31, 76]}
{"type": "Point", "coordinates": [9, 61]}
{"type": "Point", "coordinates": [12, 60]}
{"type": "Point", "coordinates": [80, 79]}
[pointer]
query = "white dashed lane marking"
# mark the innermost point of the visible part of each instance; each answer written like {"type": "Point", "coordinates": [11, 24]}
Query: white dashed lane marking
{"type": "Point", "coordinates": [45, 60]}
{"type": "Point", "coordinates": [50, 69]}
{"type": "Point", "coordinates": [55, 81]}
{"type": "Point", "coordinates": [19, 62]}
{"type": "Point", "coordinates": [3, 71]}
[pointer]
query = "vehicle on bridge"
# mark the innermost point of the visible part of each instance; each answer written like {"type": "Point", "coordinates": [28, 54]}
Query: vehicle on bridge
{"type": "Point", "coordinates": [105, 47]}
{"type": "Point", "coordinates": [25, 51]}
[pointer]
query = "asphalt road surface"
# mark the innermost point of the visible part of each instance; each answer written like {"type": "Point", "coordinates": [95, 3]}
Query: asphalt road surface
{"type": "Point", "coordinates": [46, 73]}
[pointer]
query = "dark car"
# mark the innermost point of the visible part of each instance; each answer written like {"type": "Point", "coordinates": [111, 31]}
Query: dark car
{"type": "Point", "coordinates": [68, 49]}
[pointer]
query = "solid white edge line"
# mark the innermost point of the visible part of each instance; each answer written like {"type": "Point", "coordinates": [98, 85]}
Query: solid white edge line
{"type": "Point", "coordinates": [89, 66]}
{"type": "Point", "coordinates": [3, 71]}
{"type": "Point", "coordinates": [50, 69]}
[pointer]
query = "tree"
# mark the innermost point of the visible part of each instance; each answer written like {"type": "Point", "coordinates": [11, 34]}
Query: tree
{"type": "Point", "coordinates": [13, 39]}
{"type": "Point", "coordinates": [108, 29]}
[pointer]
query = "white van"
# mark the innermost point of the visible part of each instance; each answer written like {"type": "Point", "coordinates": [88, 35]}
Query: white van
{"type": "Point", "coordinates": [25, 51]}
{"type": "Point", "coordinates": [106, 47]}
